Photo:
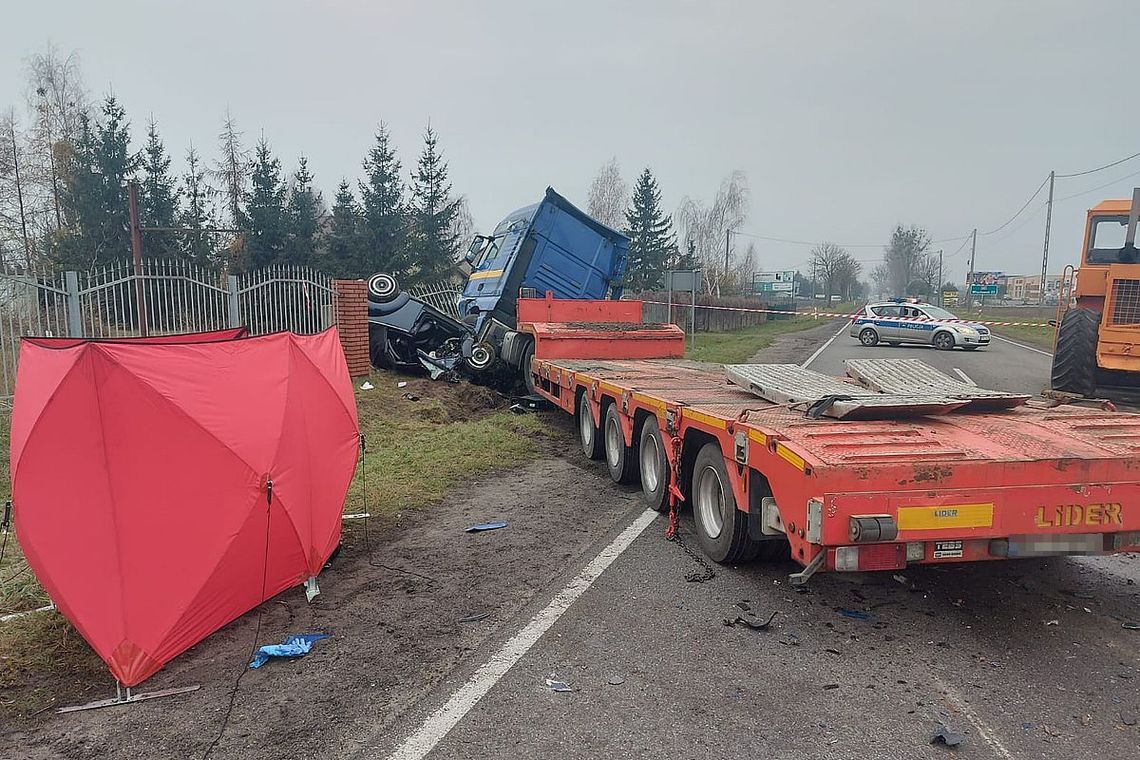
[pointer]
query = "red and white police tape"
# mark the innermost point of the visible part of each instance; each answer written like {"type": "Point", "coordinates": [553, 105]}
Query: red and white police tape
{"type": "Point", "coordinates": [857, 315]}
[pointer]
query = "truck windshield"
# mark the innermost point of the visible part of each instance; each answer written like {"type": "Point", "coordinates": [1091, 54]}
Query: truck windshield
{"type": "Point", "coordinates": [490, 252]}
{"type": "Point", "coordinates": [1106, 241]}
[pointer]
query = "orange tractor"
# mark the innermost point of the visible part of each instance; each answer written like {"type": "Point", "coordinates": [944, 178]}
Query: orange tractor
{"type": "Point", "coordinates": [1097, 342]}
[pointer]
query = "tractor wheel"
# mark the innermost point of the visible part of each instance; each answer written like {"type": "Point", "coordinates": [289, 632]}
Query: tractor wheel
{"type": "Point", "coordinates": [1074, 358]}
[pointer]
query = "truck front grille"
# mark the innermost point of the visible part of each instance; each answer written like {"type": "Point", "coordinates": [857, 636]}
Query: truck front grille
{"type": "Point", "coordinates": [1125, 302]}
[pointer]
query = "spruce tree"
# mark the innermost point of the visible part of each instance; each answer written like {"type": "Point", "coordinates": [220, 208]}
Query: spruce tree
{"type": "Point", "coordinates": [384, 226]}
{"type": "Point", "coordinates": [652, 244]}
{"type": "Point", "coordinates": [343, 243]}
{"type": "Point", "coordinates": [158, 198]}
{"type": "Point", "coordinates": [267, 228]}
{"type": "Point", "coordinates": [436, 245]}
{"type": "Point", "coordinates": [197, 246]}
{"type": "Point", "coordinates": [96, 190]}
{"type": "Point", "coordinates": [304, 211]}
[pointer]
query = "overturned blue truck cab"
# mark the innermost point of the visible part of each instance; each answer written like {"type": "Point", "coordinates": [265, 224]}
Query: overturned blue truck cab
{"type": "Point", "coordinates": [550, 246]}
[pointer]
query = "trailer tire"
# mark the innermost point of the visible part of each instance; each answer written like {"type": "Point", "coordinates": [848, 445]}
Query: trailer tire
{"type": "Point", "coordinates": [653, 465]}
{"type": "Point", "coordinates": [722, 529]}
{"type": "Point", "coordinates": [527, 373]}
{"type": "Point", "coordinates": [588, 434]}
{"type": "Point", "coordinates": [1074, 359]}
{"type": "Point", "coordinates": [621, 460]}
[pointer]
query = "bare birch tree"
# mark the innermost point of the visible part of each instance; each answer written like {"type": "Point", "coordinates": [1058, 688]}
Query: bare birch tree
{"type": "Point", "coordinates": [704, 229]}
{"type": "Point", "coordinates": [56, 98]}
{"type": "Point", "coordinates": [608, 198]}
{"type": "Point", "coordinates": [14, 234]}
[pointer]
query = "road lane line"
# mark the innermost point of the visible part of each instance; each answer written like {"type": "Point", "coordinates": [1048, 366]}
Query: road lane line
{"type": "Point", "coordinates": [1021, 345]}
{"type": "Point", "coordinates": [976, 721]}
{"type": "Point", "coordinates": [424, 739]}
{"type": "Point", "coordinates": [964, 376]}
{"type": "Point", "coordinates": [823, 348]}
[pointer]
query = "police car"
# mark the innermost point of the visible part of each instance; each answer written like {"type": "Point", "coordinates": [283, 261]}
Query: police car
{"type": "Point", "coordinates": [902, 321]}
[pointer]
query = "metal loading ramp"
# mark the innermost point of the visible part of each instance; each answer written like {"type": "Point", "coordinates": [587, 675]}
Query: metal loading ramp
{"type": "Point", "coordinates": [910, 376]}
{"type": "Point", "coordinates": [823, 395]}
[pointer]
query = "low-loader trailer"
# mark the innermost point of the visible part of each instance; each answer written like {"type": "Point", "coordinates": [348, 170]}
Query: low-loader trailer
{"type": "Point", "coordinates": [765, 481]}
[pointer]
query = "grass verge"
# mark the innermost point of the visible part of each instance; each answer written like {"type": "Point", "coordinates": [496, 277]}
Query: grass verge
{"type": "Point", "coordinates": [418, 450]}
{"type": "Point", "coordinates": [739, 346]}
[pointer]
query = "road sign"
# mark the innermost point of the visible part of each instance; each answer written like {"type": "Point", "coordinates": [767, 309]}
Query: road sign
{"type": "Point", "coordinates": [949, 297]}
{"type": "Point", "coordinates": [984, 290]}
{"type": "Point", "coordinates": [774, 282]}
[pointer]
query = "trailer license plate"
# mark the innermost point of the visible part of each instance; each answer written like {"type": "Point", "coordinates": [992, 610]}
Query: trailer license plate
{"type": "Point", "coordinates": [947, 549]}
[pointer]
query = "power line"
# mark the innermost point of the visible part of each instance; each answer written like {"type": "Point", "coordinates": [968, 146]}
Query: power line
{"type": "Point", "coordinates": [1098, 187]}
{"type": "Point", "coordinates": [1099, 168]}
{"type": "Point", "coordinates": [1019, 211]}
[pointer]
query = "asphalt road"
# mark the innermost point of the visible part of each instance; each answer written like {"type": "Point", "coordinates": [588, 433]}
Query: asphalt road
{"type": "Point", "coordinates": [1002, 365]}
{"type": "Point", "coordinates": [1026, 659]}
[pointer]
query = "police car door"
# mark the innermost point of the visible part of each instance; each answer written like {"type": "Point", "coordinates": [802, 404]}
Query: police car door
{"type": "Point", "coordinates": [887, 323]}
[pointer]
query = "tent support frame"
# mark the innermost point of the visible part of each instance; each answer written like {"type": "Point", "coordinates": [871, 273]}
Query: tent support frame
{"type": "Point", "coordinates": [120, 699]}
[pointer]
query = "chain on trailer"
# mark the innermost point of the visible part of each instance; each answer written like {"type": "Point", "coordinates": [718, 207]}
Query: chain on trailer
{"type": "Point", "coordinates": [673, 531]}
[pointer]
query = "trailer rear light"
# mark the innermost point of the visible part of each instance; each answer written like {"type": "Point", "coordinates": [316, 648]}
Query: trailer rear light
{"type": "Point", "coordinates": [870, 557]}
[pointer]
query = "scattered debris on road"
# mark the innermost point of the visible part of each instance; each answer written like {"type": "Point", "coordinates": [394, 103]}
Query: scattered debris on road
{"type": "Point", "coordinates": [1130, 626]}
{"type": "Point", "coordinates": [854, 614]}
{"type": "Point", "coordinates": [475, 617]}
{"type": "Point", "coordinates": [615, 681]}
{"type": "Point", "coordinates": [948, 737]}
{"type": "Point", "coordinates": [294, 646]}
{"type": "Point", "coordinates": [482, 527]}
{"type": "Point", "coordinates": [558, 685]}
{"type": "Point", "coordinates": [1052, 622]}
{"type": "Point", "coordinates": [411, 397]}
{"type": "Point", "coordinates": [1128, 717]}
{"type": "Point", "coordinates": [402, 384]}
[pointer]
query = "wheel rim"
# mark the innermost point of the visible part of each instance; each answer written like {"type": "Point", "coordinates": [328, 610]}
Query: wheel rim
{"type": "Point", "coordinates": [943, 341]}
{"type": "Point", "coordinates": [710, 502]}
{"type": "Point", "coordinates": [614, 442]}
{"type": "Point", "coordinates": [868, 338]}
{"type": "Point", "coordinates": [585, 424]}
{"type": "Point", "coordinates": [382, 285]}
{"type": "Point", "coordinates": [650, 463]}
{"type": "Point", "coordinates": [481, 356]}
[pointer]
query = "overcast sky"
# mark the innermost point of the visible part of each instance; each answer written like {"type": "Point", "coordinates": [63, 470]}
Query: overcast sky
{"type": "Point", "coordinates": [847, 117]}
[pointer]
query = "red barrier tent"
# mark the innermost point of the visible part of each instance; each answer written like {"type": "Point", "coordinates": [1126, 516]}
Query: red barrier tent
{"type": "Point", "coordinates": [141, 472]}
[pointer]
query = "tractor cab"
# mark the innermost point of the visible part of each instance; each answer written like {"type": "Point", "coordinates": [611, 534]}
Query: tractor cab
{"type": "Point", "coordinates": [1098, 335]}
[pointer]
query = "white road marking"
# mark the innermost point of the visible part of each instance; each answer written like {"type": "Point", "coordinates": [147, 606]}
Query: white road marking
{"type": "Point", "coordinates": [964, 376]}
{"type": "Point", "coordinates": [424, 739]}
{"type": "Point", "coordinates": [1021, 345]}
{"type": "Point", "coordinates": [823, 348]}
{"type": "Point", "coordinates": [976, 721]}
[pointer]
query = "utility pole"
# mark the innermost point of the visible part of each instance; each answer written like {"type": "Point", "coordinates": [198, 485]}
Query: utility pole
{"type": "Point", "coordinates": [1045, 250]}
{"type": "Point", "coordinates": [727, 243]}
{"type": "Point", "coordinates": [970, 274]}
{"type": "Point", "coordinates": [939, 286]}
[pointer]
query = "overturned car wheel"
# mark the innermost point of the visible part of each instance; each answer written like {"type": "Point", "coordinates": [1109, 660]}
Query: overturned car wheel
{"type": "Point", "coordinates": [382, 287]}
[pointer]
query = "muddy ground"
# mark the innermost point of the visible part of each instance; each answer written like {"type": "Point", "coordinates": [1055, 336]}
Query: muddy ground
{"type": "Point", "coordinates": [393, 611]}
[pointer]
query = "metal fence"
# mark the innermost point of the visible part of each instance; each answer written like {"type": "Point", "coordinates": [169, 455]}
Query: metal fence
{"type": "Point", "coordinates": [158, 298]}
{"type": "Point", "coordinates": [444, 297]}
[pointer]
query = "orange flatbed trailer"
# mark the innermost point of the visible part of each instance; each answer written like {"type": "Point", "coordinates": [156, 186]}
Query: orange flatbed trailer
{"type": "Point", "coordinates": [839, 495]}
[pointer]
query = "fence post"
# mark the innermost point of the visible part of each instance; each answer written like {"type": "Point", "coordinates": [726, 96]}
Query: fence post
{"type": "Point", "coordinates": [232, 300]}
{"type": "Point", "coordinates": [74, 309]}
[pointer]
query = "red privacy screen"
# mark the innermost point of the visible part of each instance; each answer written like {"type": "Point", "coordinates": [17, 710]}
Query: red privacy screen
{"type": "Point", "coordinates": [163, 487]}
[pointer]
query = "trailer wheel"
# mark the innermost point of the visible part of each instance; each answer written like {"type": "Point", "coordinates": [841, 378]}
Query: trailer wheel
{"type": "Point", "coordinates": [621, 460]}
{"type": "Point", "coordinates": [654, 465]}
{"type": "Point", "coordinates": [722, 529]}
{"type": "Point", "coordinates": [527, 374]}
{"type": "Point", "coordinates": [1074, 359]}
{"type": "Point", "coordinates": [588, 432]}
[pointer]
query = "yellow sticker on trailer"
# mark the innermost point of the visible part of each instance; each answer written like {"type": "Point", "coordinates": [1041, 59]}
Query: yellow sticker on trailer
{"type": "Point", "coordinates": [790, 456]}
{"type": "Point", "coordinates": [947, 516]}
{"type": "Point", "coordinates": [707, 419]}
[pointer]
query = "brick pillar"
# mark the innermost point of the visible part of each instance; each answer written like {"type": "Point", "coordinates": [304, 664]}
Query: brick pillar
{"type": "Point", "coordinates": [352, 324]}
